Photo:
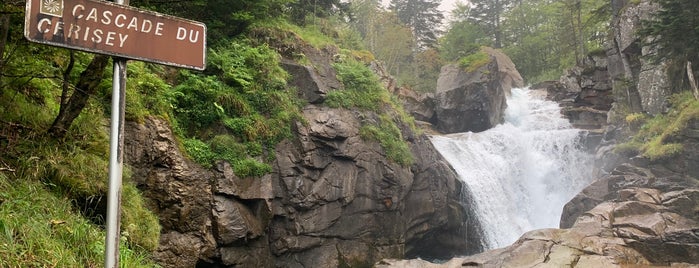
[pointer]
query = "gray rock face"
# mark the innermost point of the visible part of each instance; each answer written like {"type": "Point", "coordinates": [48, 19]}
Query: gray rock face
{"type": "Point", "coordinates": [180, 193]}
{"type": "Point", "coordinates": [474, 101]}
{"type": "Point", "coordinates": [332, 200]}
{"type": "Point", "coordinates": [338, 195]}
{"type": "Point", "coordinates": [584, 93]}
{"type": "Point", "coordinates": [645, 83]}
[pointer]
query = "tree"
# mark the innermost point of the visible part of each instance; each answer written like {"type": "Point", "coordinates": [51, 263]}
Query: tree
{"type": "Point", "coordinates": [300, 9]}
{"type": "Point", "coordinates": [423, 18]}
{"type": "Point", "coordinates": [391, 42]}
{"type": "Point", "coordinates": [534, 39]}
{"type": "Point", "coordinates": [462, 37]}
{"type": "Point", "coordinates": [223, 18]}
{"type": "Point", "coordinates": [87, 85]}
{"type": "Point", "coordinates": [674, 31]}
{"type": "Point", "coordinates": [488, 14]}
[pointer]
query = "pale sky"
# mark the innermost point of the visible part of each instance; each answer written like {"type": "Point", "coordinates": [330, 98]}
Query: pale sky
{"type": "Point", "coordinates": [446, 6]}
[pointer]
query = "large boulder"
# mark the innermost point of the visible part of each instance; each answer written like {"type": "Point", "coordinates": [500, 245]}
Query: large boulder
{"type": "Point", "coordinates": [474, 101]}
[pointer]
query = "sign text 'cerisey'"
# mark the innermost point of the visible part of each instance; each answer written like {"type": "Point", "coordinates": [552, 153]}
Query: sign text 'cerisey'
{"type": "Point", "coordinates": [117, 30]}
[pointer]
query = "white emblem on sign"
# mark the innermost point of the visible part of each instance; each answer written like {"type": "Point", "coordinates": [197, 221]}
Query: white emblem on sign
{"type": "Point", "coordinates": [52, 7]}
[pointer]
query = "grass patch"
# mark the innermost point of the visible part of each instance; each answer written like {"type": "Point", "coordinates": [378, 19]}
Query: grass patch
{"type": "Point", "coordinates": [40, 229]}
{"type": "Point", "coordinates": [389, 136]}
{"type": "Point", "coordinates": [288, 35]}
{"type": "Point", "coordinates": [474, 61]}
{"type": "Point", "coordinates": [655, 138]}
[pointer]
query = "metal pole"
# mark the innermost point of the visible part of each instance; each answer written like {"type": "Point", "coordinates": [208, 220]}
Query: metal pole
{"type": "Point", "coordinates": [116, 161]}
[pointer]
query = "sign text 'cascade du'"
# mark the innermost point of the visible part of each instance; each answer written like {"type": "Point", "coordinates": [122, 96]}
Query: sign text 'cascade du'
{"type": "Point", "coordinates": [107, 28]}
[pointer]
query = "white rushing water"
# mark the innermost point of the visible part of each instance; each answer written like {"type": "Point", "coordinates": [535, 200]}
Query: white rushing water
{"type": "Point", "coordinates": [520, 173]}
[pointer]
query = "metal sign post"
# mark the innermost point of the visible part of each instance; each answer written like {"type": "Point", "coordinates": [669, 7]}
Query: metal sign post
{"type": "Point", "coordinates": [116, 161]}
{"type": "Point", "coordinates": [125, 33]}
{"type": "Point", "coordinates": [116, 164]}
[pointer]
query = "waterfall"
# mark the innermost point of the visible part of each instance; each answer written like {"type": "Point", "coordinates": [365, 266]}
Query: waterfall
{"type": "Point", "coordinates": [520, 173]}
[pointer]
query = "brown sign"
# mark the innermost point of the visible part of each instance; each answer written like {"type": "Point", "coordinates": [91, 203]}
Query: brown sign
{"type": "Point", "coordinates": [123, 31]}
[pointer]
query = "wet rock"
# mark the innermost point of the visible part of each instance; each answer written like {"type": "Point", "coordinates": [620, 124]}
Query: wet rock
{"type": "Point", "coordinates": [474, 101]}
{"type": "Point", "coordinates": [463, 101]}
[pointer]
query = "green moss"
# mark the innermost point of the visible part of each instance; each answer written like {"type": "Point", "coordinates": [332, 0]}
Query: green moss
{"type": "Point", "coordinates": [654, 139]}
{"type": "Point", "coordinates": [362, 88]}
{"type": "Point", "coordinates": [389, 136]}
{"type": "Point", "coordinates": [474, 61]}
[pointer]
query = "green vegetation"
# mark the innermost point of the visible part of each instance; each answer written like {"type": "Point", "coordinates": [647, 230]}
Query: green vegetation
{"type": "Point", "coordinates": [389, 136]}
{"type": "Point", "coordinates": [363, 91]}
{"type": "Point", "coordinates": [673, 33]}
{"type": "Point", "coordinates": [146, 92]}
{"type": "Point", "coordinates": [655, 137]}
{"type": "Point", "coordinates": [474, 61]}
{"type": "Point", "coordinates": [51, 191]}
{"type": "Point", "coordinates": [362, 88]}
{"type": "Point", "coordinates": [237, 110]}
{"type": "Point", "coordinates": [41, 229]}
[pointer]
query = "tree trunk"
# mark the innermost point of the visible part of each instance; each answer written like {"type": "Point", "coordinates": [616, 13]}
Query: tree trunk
{"type": "Point", "coordinates": [581, 30]}
{"type": "Point", "coordinates": [4, 32]}
{"type": "Point", "coordinates": [87, 85]}
{"type": "Point", "coordinates": [692, 81]}
{"type": "Point", "coordinates": [498, 33]}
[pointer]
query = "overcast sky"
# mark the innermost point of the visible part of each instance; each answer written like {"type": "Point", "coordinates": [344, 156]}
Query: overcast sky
{"type": "Point", "coordinates": [445, 7]}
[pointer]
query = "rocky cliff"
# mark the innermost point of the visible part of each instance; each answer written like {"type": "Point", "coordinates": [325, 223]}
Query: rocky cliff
{"type": "Point", "coordinates": [333, 199]}
{"type": "Point", "coordinates": [466, 100]}
{"type": "Point", "coordinates": [639, 211]}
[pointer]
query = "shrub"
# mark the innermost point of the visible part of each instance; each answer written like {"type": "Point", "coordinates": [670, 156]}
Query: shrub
{"type": "Point", "coordinates": [362, 88]}
{"type": "Point", "coordinates": [239, 108]}
{"type": "Point", "coordinates": [146, 93]}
